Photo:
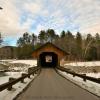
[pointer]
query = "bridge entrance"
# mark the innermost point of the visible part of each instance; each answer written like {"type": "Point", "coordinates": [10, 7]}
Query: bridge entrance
{"type": "Point", "coordinates": [48, 59]}
{"type": "Point", "coordinates": [49, 55]}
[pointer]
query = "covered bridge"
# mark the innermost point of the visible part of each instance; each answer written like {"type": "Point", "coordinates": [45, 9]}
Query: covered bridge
{"type": "Point", "coordinates": [49, 55]}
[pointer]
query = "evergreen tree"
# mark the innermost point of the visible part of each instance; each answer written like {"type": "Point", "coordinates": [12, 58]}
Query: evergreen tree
{"type": "Point", "coordinates": [89, 42]}
{"type": "Point", "coordinates": [92, 54]}
{"type": "Point", "coordinates": [97, 37]}
{"type": "Point", "coordinates": [34, 39]}
{"type": "Point", "coordinates": [20, 42]}
{"type": "Point", "coordinates": [25, 46]}
{"type": "Point", "coordinates": [89, 38]}
{"type": "Point", "coordinates": [27, 38]}
{"type": "Point", "coordinates": [79, 45]}
{"type": "Point", "coordinates": [42, 36]}
{"type": "Point", "coordinates": [63, 34]}
{"type": "Point", "coordinates": [97, 44]}
{"type": "Point", "coordinates": [70, 42]}
{"type": "Point", "coordinates": [74, 44]}
{"type": "Point", "coordinates": [69, 35]}
{"type": "Point", "coordinates": [51, 35]}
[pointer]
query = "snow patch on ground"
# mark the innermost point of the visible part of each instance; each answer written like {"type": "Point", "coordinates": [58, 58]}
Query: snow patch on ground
{"type": "Point", "coordinates": [16, 65]}
{"type": "Point", "coordinates": [21, 66]}
{"type": "Point", "coordinates": [5, 79]}
{"type": "Point", "coordinates": [89, 85]}
{"type": "Point", "coordinates": [96, 75]}
{"type": "Point", "coordinates": [17, 88]}
{"type": "Point", "coordinates": [30, 62]}
{"type": "Point", "coordinates": [84, 67]}
{"type": "Point", "coordinates": [93, 63]}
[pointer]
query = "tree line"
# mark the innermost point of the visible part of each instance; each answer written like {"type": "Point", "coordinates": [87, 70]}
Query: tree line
{"type": "Point", "coordinates": [28, 43]}
{"type": "Point", "coordinates": [79, 46]}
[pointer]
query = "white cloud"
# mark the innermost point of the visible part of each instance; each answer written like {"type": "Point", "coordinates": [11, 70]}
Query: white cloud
{"type": "Point", "coordinates": [10, 18]}
{"type": "Point", "coordinates": [93, 29]}
{"type": "Point", "coordinates": [60, 15]}
{"type": "Point", "coordinates": [33, 7]}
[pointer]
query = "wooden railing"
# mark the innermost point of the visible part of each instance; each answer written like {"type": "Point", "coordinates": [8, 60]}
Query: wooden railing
{"type": "Point", "coordinates": [83, 76]}
{"type": "Point", "coordinates": [13, 81]}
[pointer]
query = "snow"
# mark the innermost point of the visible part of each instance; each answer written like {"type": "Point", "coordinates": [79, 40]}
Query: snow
{"type": "Point", "coordinates": [17, 88]}
{"type": "Point", "coordinates": [9, 95]}
{"type": "Point", "coordinates": [18, 65]}
{"type": "Point", "coordinates": [91, 69]}
{"type": "Point", "coordinates": [4, 79]}
{"type": "Point", "coordinates": [84, 67]}
{"type": "Point", "coordinates": [30, 62]}
{"type": "Point", "coordinates": [88, 85]}
{"type": "Point", "coordinates": [93, 63]}
{"type": "Point", "coordinates": [96, 75]}
{"type": "Point", "coordinates": [15, 65]}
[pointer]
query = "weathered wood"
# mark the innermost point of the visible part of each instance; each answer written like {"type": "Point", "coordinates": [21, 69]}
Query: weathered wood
{"type": "Point", "coordinates": [10, 80]}
{"type": "Point", "coordinates": [23, 75]}
{"type": "Point", "coordinates": [30, 70]}
{"type": "Point", "coordinates": [49, 47]}
{"type": "Point", "coordinates": [13, 82]}
{"type": "Point", "coordinates": [79, 75]}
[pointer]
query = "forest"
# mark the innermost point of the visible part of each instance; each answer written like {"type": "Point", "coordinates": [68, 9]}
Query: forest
{"type": "Point", "coordinates": [81, 47]}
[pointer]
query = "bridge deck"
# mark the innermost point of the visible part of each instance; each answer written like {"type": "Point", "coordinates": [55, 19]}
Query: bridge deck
{"type": "Point", "coordinates": [51, 86]}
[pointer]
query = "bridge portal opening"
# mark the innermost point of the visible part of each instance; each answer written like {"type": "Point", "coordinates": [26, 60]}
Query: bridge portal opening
{"type": "Point", "coordinates": [48, 59]}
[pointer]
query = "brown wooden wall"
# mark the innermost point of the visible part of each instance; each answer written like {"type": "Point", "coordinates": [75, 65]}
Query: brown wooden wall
{"type": "Point", "coordinates": [49, 48]}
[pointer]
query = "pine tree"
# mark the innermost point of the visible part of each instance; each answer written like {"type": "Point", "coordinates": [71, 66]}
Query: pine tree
{"type": "Point", "coordinates": [70, 41]}
{"type": "Point", "coordinates": [79, 45]}
{"type": "Point", "coordinates": [34, 39]}
{"type": "Point", "coordinates": [42, 36]}
{"type": "Point", "coordinates": [63, 34]}
{"type": "Point", "coordinates": [51, 35]}
{"type": "Point", "coordinates": [97, 44]}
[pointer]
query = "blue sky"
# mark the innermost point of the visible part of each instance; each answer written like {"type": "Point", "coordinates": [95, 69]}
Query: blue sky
{"type": "Point", "coordinates": [19, 16]}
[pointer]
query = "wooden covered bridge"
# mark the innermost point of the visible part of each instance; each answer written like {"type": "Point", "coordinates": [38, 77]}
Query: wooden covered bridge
{"type": "Point", "coordinates": [49, 55]}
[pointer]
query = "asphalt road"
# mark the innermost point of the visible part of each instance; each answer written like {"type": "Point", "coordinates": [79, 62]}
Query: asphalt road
{"type": "Point", "coordinates": [51, 86]}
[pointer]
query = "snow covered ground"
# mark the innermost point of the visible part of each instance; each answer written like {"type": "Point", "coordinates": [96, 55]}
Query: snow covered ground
{"type": "Point", "coordinates": [21, 65]}
{"type": "Point", "coordinates": [9, 95]}
{"type": "Point", "coordinates": [86, 64]}
{"type": "Point", "coordinates": [96, 75]}
{"type": "Point", "coordinates": [88, 85]}
{"type": "Point", "coordinates": [90, 69]}
{"type": "Point", "coordinates": [5, 79]}
{"type": "Point", "coordinates": [17, 88]}
{"type": "Point", "coordinates": [16, 65]}
{"type": "Point", "coordinates": [30, 62]}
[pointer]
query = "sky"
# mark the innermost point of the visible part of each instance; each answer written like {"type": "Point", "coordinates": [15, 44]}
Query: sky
{"type": "Point", "coordinates": [19, 16]}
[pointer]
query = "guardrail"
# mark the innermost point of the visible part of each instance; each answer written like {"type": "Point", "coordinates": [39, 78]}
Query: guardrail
{"type": "Point", "coordinates": [97, 80]}
{"type": "Point", "coordinates": [13, 81]}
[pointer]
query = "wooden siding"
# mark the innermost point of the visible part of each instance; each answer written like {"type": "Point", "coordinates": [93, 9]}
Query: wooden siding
{"type": "Point", "coordinates": [49, 48]}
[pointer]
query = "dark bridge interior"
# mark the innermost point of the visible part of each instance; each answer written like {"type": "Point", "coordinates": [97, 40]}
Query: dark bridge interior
{"type": "Point", "coordinates": [48, 59]}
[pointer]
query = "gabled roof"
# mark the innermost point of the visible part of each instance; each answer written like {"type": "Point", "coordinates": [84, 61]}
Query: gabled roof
{"type": "Point", "coordinates": [49, 43]}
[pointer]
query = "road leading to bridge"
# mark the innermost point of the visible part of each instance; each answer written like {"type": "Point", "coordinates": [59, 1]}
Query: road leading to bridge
{"type": "Point", "coordinates": [51, 86]}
